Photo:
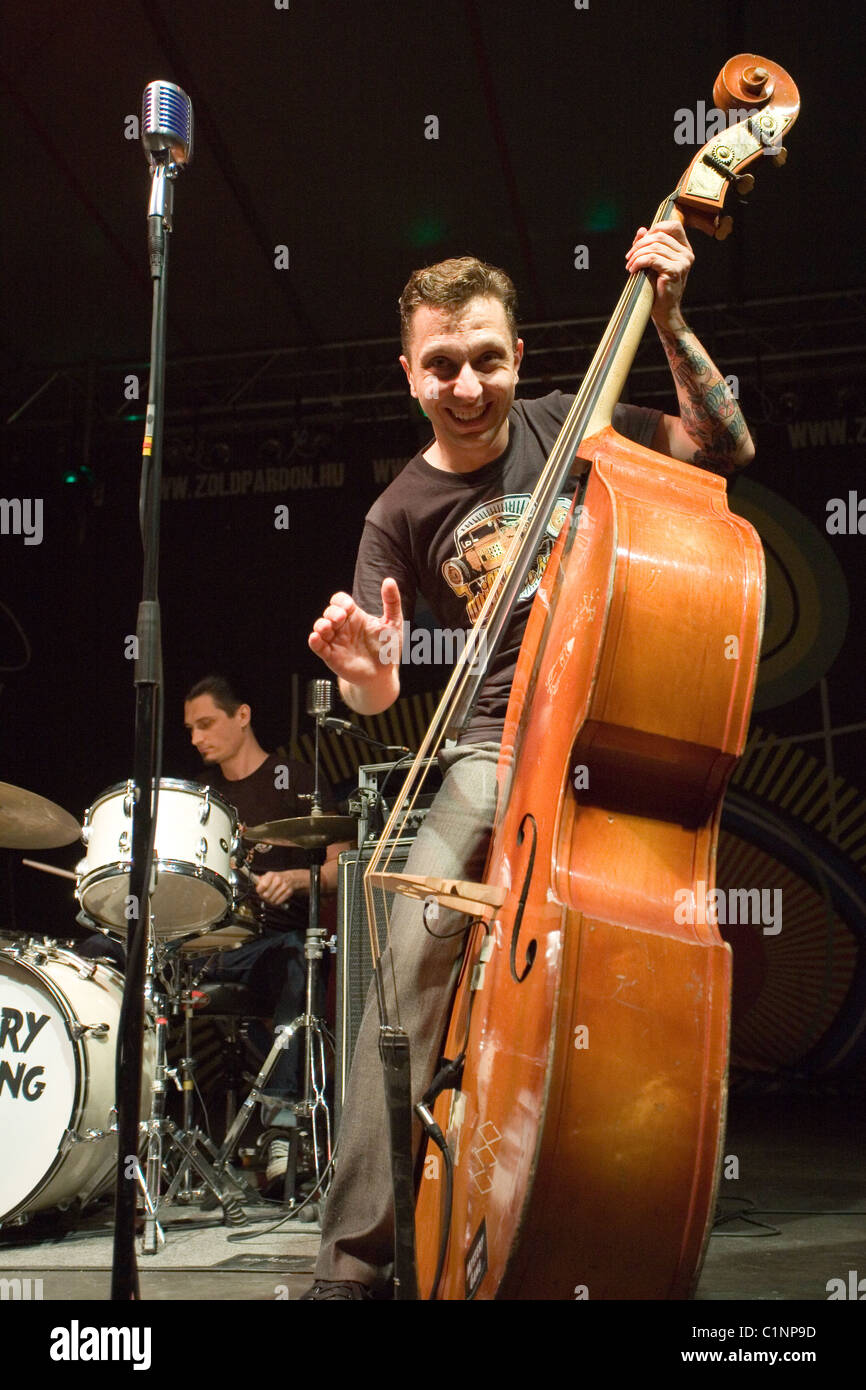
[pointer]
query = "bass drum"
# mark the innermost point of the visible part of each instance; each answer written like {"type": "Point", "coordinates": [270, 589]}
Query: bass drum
{"type": "Point", "coordinates": [59, 1018]}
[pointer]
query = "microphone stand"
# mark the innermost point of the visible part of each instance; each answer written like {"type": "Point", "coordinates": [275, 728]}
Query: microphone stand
{"type": "Point", "coordinates": [343, 726]}
{"type": "Point", "coordinates": [148, 747]}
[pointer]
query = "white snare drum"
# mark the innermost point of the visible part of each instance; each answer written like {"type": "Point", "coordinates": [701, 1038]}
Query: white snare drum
{"type": "Point", "coordinates": [196, 835]}
{"type": "Point", "coordinates": [58, 1039]}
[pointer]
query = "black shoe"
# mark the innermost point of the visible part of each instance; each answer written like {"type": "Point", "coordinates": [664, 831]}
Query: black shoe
{"type": "Point", "coordinates": [332, 1288]}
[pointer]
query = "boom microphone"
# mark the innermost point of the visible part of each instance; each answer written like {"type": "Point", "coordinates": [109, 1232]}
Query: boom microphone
{"type": "Point", "coordinates": [342, 726]}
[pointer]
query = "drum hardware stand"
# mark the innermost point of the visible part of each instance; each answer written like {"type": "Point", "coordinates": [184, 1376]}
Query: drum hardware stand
{"type": "Point", "coordinates": [226, 1187]}
{"type": "Point", "coordinates": [183, 1003]}
{"type": "Point", "coordinates": [234, 1060]}
{"type": "Point", "coordinates": [314, 1106]}
{"type": "Point", "coordinates": [187, 1083]}
{"type": "Point", "coordinates": [302, 833]}
{"type": "Point", "coordinates": [181, 1189]}
{"type": "Point", "coordinates": [313, 1109]}
{"type": "Point", "coordinates": [148, 1205]}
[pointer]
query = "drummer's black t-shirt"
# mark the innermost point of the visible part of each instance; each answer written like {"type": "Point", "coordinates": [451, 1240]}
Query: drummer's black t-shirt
{"type": "Point", "coordinates": [265, 796]}
{"type": "Point", "coordinates": [443, 535]}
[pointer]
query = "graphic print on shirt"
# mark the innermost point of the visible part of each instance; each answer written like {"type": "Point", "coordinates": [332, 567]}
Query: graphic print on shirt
{"type": "Point", "coordinates": [482, 539]}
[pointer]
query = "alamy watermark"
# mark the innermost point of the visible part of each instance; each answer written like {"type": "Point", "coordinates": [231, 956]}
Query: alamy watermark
{"type": "Point", "coordinates": [22, 516]}
{"type": "Point", "coordinates": [853, 1288]}
{"type": "Point", "coordinates": [22, 1290]}
{"type": "Point", "coordinates": [699, 126]}
{"type": "Point", "coordinates": [77, 1343]}
{"type": "Point", "coordinates": [846, 516]}
{"type": "Point", "coordinates": [422, 646]}
{"type": "Point", "coordinates": [719, 907]}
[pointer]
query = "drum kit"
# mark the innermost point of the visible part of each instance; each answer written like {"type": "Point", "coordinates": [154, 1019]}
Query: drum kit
{"type": "Point", "coordinates": [60, 1011]}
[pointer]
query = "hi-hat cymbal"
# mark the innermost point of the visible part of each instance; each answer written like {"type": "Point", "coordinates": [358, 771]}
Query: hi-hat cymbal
{"type": "Point", "coordinates": [28, 821]}
{"type": "Point", "coordinates": [303, 832]}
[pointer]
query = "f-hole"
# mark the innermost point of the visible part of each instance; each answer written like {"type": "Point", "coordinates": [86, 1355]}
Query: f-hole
{"type": "Point", "coordinates": [524, 893]}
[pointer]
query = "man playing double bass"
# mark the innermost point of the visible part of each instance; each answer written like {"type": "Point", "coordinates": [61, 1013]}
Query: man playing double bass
{"type": "Point", "coordinates": [436, 531]}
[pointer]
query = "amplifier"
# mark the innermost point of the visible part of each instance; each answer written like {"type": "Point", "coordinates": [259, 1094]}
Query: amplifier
{"type": "Point", "coordinates": [379, 787]}
{"type": "Point", "coordinates": [354, 958]}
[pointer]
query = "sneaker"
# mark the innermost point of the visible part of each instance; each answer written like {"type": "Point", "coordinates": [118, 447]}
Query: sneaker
{"type": "Point", "coordinates": [278, 1159]}
{"type": "Point", "coordinates": [332, 1288]}
{"type": "Point", "coordinates": [277, 1112]}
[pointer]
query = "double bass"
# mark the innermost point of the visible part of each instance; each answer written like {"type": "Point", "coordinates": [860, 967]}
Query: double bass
{"type": "Point", "coordinates": [579, 1123]}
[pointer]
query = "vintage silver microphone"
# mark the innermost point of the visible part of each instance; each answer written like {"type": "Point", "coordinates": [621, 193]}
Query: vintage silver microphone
{"type": "Point", "coordinates": [320, 698]}
{"type": "Point", "coordinates": [166, 122]}
{"type": "Point", "coordinates": [320, 702]}
{"type": "Point", "coordinates": [166, 134]}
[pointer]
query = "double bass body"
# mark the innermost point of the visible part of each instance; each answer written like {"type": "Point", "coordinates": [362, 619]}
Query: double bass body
{"type": "Point", "coordinates": [591, 1015]}
{"type": "Point", "coordinates": [586, 1131]}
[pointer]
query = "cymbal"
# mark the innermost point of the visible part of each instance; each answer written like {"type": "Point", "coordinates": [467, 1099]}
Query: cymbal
{"type": "Point", "coordinates": [28, 821]}
{"type": "Point", "coordinates": [303, 832]}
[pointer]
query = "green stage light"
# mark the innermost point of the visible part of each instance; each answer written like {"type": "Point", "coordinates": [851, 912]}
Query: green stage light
{"type": "Point", "coordinates": [82, 474]}
{"type": "Point", "coordinates": [602, 216]}
{"type": "Point", "coordinates": [426, 231]}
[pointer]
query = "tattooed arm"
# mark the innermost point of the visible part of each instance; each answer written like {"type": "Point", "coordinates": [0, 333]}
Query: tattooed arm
{"type": "Point", "coordinates": [710, 431]}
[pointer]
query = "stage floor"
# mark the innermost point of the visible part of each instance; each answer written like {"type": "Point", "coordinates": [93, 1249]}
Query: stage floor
{"type": "Point", "coordinates": [793, 1220]}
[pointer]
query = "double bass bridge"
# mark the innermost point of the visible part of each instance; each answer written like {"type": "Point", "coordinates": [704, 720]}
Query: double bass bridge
{"type": "Point", "coordinates": [459, 894]}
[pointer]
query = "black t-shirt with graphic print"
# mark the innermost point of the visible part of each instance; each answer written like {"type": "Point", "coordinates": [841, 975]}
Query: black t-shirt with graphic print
{"type": "Point", "coordinates": [443, 535]}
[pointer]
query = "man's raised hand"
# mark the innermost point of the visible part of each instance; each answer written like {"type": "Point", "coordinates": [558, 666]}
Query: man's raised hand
{"type": "Point", "coordinates": [360, 647]}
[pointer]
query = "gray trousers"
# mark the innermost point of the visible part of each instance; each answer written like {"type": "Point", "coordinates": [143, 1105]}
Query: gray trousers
{"type": "Point", "coordinates": [358, 1226]}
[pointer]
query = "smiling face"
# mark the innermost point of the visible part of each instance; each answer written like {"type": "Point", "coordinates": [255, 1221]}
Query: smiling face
{"type": "Point", "coordinates": [462, 365]}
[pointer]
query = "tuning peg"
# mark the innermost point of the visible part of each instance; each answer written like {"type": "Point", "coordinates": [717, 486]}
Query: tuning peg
{"type": "Point", "coordinates": [755, 80]}
{"type": "Point", "coordinates": [744, 183]}
{"type": "Point", "coordinates": [780, 157]}
{"type": "Point", "coordinates": [724, 227]}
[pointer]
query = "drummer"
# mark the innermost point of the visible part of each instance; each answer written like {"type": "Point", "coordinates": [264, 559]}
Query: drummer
{"type": "Point", "coordinates": [263, 787]}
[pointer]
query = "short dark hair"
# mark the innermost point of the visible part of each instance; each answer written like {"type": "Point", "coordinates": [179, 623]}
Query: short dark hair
{"type": "Point", "coordinates": [221, 691]}
{"type": "Point", "coordinates": [451, 284]}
